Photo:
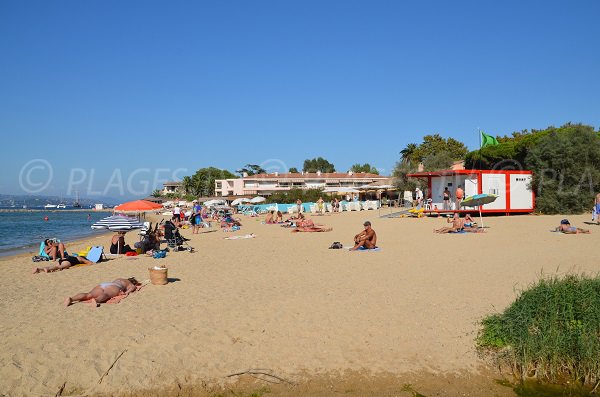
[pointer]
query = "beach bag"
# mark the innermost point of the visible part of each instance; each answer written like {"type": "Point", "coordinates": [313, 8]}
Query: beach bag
{"type": "Point", "coordinates": [95, 254]}
{"type": "Point", "coordinates": [336, 246]}
{"type": "Point", "coordinates": [39, 258]}
{"type": "Point", "coordinates": [159, 254]}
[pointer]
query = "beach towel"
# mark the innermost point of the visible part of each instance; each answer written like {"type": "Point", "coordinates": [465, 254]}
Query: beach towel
{"type": "Point", "coordinates": [363, 249]}
{"type": "Point", "coordinates": [239, 237]}
{"type": "Point", "coordinates": [117, 299]}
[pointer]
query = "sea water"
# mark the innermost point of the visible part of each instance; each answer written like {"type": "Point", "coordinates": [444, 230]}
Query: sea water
{"type": "Point", "coordinates": [21, 231]}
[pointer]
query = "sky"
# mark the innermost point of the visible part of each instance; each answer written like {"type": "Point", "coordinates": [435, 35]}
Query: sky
{"type": "Point", "coordinates": [112, 98]}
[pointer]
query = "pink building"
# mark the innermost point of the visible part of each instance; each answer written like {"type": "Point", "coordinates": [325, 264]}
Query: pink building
{"type": "Point", "coordinates": [266, 184]}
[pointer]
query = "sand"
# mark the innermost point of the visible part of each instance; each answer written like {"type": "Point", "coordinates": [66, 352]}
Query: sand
{"type": "Point", "coordinates": [284, 302]}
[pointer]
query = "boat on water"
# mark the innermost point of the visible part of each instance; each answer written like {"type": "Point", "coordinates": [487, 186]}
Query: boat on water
{"type": "Point", "coordinates": [76, 204]}
{"type": "Point", "coordinates": [61, 206]}
{"type": "Point", "coordinates": [50, 206]}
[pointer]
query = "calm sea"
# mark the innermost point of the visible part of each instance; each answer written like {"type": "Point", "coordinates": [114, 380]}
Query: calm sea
{"type": "Point", "coordinates": [22, 230]}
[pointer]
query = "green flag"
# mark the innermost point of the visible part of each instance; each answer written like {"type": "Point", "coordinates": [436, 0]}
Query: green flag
{"type": "Point", "coordinates": [488, 140]}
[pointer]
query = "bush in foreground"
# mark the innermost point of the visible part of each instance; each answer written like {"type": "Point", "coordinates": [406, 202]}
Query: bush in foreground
{"type": "Point", "coordinates": [551, 332]}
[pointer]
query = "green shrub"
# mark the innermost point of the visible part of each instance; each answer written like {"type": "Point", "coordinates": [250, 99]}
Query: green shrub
{"type": "Point", "coordinates": [552, 331]}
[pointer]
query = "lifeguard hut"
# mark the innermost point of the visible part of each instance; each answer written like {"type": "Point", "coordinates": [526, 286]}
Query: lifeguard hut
{"type": "Point", "coordinates": [513, 188]}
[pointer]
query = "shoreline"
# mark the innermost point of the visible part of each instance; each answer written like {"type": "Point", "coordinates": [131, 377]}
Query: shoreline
{"type": "Point", "coordinates": [78, 238]}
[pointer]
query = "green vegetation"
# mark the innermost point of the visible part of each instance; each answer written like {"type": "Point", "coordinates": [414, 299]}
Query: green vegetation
{"type": "Point", "coordinates": [306, 196]}
{"type": "Point", "coordinates": [366, 167]}
{"type": "Point", "coordinates": [551, 332]}
{"type": "Point", "coordinates": [251, 169]}
{"type": "Point", "coordinates": [434, 153]}
{"type": "Point", "coordinates": [565, 162]}
{"type": "Point", "coordinates": [318, 164]}
{"type": "Point", "coordinates": [202, 183]}
{"type": "Point", "coordinates": [293, 170]}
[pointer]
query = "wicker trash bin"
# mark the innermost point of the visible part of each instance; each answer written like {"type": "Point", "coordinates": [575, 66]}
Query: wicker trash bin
{"type": "Point", "coordinates": [158, 276]}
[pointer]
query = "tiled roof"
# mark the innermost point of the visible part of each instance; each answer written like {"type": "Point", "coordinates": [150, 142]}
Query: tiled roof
{"type": "Point", "coordinates": [314, 175]}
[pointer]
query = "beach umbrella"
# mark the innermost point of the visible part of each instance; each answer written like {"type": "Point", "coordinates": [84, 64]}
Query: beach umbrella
{"type": "Point", "coordinates": [240, 200]}
{"type": "Point", "coordinates": [138, 206]}
{"type": "Point", "coordinates": [213, 202]}
{"type": "Point", "coordinates": [258, 199]}
{"type": "Point", "coordinates": [118, 223]}
{"type": "Point", "coordinates": [477, 201]}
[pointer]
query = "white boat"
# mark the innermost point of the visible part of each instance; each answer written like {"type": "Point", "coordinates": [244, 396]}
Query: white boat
{"type": "Point", "coordinates": [49, 206]}
{"type": "Point", "coordinates": [61, 205]}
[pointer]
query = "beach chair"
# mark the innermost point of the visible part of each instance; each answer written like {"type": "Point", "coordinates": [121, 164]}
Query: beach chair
{"type": "Point", "coordinates": [174, 240]}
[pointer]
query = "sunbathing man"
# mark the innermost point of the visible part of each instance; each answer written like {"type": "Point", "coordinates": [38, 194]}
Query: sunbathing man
{"type": "Point", "coordinates": [566, 228]}
{"type": "Point", "coordinates": [307, 225]}
{"type": "Point", "coordinates": [54, 249]}
{"type": "Point", "coordinates": [366, 239]}
{"type": "Point", "coordinates": [104, 291]}
{"type": "Point", "coordinates": [457, 225]}
{"type": "Point", "coordinates": [63, 264]}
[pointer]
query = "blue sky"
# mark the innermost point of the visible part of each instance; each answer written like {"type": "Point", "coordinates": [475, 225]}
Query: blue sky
{"type": "Point", "coordinates": [111, 93]}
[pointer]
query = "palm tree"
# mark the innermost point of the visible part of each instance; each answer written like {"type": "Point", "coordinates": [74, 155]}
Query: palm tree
{"type": "Point", "coordinates": [408, 152]}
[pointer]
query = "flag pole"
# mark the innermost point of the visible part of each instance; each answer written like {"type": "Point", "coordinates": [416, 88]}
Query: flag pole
{"type": "Point", "coordinates": [479, 133]}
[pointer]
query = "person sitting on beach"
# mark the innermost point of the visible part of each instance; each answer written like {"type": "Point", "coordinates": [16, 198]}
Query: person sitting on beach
{"type": "Point", "coordinates": [54, 249]}
{"type": "Point", "coordinates": [269, 219]}
{"type": "Point", "coordinates": [150, 243]}
{"type": "Point", "coordinates": [566, 228]}
{"type": "Point", "coordinates": [279, 217]}
{"type": "Point", "coordinates": [457, 225]}
{"type": "Point", "coordinates": [366, 239]}
{"type": "Point", "coordinates": [117, 244]}
{"type": "Point", "coordinates": [468, 222]}
{"type": "Point", "coordinates": [63, 264]}
{"type": "Point", "coordinates": [104, 291]}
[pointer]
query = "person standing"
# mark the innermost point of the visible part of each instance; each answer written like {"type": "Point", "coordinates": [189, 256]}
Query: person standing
{"type": "Point", "coordinates": [597, 208]}
{"type": "Point", "coordinates": [446, 199]}
{"type": "Point", "coordinates": [299, 206]}
{"type": "Point", "coordinates": [196, 216]}
{"type": "Point", "coordinates": [177, 213]}
{"type": "Point", "coordinates": [459, 194]}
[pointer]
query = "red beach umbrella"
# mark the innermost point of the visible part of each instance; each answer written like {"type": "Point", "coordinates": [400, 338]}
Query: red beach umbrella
{"type": "Point", "coordinates": [138, 205]}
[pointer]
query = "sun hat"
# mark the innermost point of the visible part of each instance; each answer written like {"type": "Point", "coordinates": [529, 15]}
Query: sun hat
{"type": "Point", "coordinates": [565, 222]}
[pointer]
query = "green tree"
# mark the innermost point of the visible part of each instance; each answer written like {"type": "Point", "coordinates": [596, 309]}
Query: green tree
{"type": "Point", "coordinates": [293, 170]}
{"type": "Point", "coordinates": [251, 169]}
{"type": "Point", "coordinates": [401, 179]}
{"type": "Point", "coordinates": [202, 183]}
{"type": "Point", "coordinates": [156, 193]}
{"type": "Point", "coordinates": [318, 164]}
{"type": "Point", "coordinates": [436, 144]}
{"type": "Point", "coordinates": [566, 169]}
{"type": "Point", "coordinates": [408, 153]}
{"type": "Point", "coordinates": [438, 161]}
{"type": "Point", "coordinates": [366, 167]}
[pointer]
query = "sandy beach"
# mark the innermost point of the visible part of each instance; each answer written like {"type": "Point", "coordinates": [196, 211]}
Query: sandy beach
{"type": "Point", "coordinates": [322, 319]}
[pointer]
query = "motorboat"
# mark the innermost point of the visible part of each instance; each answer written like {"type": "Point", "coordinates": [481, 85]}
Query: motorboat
{"type": "Point", "coordinates": [50, 206]}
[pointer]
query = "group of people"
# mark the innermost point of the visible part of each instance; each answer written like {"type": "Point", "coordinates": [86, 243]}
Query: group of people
{"type": "Point", "coordinates": [459, 225]}
{"type": "Point", "coordinates": [56, 252]}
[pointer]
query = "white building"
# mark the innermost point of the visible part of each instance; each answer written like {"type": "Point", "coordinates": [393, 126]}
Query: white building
{"type": "Point", "coordinates": [267, 184]}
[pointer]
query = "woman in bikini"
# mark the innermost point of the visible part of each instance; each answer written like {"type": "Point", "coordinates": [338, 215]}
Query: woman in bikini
{"type": "Point", "coordinates": [104, 291]}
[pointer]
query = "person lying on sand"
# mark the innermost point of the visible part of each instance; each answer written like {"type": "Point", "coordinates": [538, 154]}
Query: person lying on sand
{"type": "Point", "coordinates": [366, 239]}
{"type": "Point", "coordinates": [307, 225]}
{"type": "Point", "coordinates": [104, 291]}
{"type": "Point", "coordinates": [566, 228]}
{"type": "Point", "coordinates": [63, 264]}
